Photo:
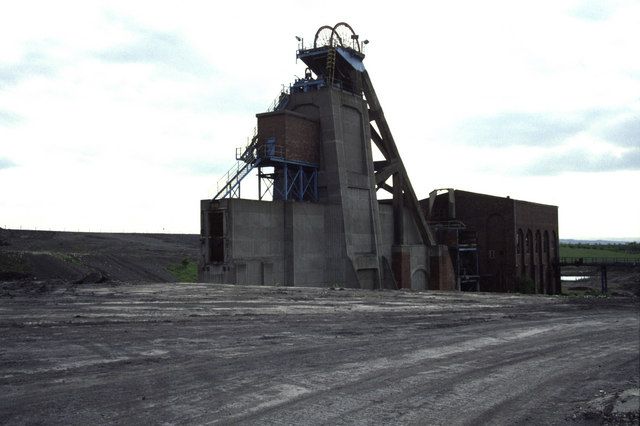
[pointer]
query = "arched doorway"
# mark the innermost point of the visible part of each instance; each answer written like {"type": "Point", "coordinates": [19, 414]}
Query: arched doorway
{"type": "Point", "coordinates": [419, 279]}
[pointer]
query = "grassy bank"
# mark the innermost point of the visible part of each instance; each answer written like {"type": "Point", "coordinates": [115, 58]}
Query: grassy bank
{"type": "Point", "coordinates": [621, 251]}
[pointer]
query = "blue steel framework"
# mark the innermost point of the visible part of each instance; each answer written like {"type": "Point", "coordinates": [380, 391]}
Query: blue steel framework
{"type": "Point", "coordinates": [290, 180]}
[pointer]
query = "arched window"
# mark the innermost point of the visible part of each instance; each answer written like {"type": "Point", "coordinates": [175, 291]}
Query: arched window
{"type": "Point", "coordinates": [538, 242]}
{"type": "Point", "coordinates": [528, 242]}
{"type": "Point", "coordinates": [546, 242]}
{"type": "Point", "coordinates": [519, 241]}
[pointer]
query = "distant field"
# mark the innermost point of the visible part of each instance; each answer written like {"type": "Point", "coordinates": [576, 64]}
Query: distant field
{"type": "Point", "coordinates": [566, 251]}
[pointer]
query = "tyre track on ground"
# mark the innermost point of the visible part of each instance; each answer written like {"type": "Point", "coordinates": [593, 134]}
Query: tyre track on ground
{"type": "Point", "coordinates": [164, 353]}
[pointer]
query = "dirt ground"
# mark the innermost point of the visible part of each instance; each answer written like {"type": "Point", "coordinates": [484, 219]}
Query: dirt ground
{"type": "Point", "coordinates": [202, 353]}
{"type": "Point", "coordinates": [622, 281]}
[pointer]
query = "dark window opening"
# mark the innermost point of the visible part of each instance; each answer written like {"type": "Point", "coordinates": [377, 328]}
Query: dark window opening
{"type": "Point", "coordinates": [216, 236]}
{"type": "Point", "coordinates": [216, 224]}
{"type": "Point", "coordinates": [468, 264]}
{"type": "Point", "coordinates": [469, 286]}
{"type": "Point", "coordinates": [216, 246]}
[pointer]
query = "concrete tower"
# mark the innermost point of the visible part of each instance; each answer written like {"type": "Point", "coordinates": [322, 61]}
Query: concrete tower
{"type": "Point", "coordinates": [324, 225]}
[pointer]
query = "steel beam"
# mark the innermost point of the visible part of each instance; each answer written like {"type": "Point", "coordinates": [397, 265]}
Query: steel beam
{"type": "Point", "coordinates": [387, 146]}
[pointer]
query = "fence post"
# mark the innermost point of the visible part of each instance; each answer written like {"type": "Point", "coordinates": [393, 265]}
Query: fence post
{"type": "Point", "coordinates": [603, 278]}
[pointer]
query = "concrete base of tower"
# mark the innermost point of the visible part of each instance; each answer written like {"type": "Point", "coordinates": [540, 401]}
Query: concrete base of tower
{"type": "Point", "coordinates": [250, 242]}
{"type": "Point", "coordinates": [280, 243]}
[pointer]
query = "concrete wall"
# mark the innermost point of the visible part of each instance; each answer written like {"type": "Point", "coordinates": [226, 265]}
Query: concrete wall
{"type": "Point", "coordinates": [279, 243]}
{"type": "Point", "coordinates": [253, 243]}
{"type": "Point", "coordinates": [311, 242]}
{"type": "Point", "coordinates": [345, 178]}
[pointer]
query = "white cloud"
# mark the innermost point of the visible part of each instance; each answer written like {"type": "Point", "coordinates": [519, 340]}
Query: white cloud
{"type": "Point", "coordinates": [122, 115]}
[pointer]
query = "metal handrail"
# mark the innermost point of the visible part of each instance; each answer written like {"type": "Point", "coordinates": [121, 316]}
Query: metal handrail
{"type": "Point", "coordinates": [226, 178]}
{"type": "Point", "coordinates": [283, 92]}
{"type": "Point", "coordinates": [248, 156]}
{"type": "Point", "coordinates": [250, 139]}
{"type": "Point", "coordinates": [232, 182]}
{"type": "Point", "coordinates": [267, 151]}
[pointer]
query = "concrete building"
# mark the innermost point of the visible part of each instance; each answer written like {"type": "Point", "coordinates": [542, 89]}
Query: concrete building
{"type": "Point", "coordinates": [324, 224]}
{"type": "Point", "coordinates": [499, 244]}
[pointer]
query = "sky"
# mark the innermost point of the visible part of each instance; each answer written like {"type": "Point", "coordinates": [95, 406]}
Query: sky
{"type": "Point", "coordinates": [120, 116]}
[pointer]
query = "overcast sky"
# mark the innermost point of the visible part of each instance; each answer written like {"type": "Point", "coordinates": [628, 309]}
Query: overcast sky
{"type": "Point", "coordinates": [121, 116]}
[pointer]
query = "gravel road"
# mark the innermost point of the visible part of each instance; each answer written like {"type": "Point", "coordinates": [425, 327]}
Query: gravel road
{"type": "Point", "coordinates": [206, 354]}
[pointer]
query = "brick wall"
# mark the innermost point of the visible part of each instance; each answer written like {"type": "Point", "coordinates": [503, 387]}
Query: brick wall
{"type": "Point", "coordinates": [298, 135]}
{"type": "Point", "coordinates": [502, 265]}
{"type": "Point", "coordinates": [442, 274]}
{"type": "Point", "coordinates": [536, 226]}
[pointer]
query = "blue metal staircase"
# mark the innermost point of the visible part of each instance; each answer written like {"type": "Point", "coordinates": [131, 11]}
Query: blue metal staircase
{"type": "Point", "coordinates": [246, 158]}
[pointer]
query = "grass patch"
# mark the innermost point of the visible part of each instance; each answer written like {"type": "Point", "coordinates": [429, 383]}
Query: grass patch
{"type": "Point", "coordinates": [567, 250]}
{"type": "Point", "coordinates": [185, 271]}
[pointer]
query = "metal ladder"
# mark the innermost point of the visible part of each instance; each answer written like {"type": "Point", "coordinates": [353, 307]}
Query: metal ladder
{"type": "Point", "coordinates": [331, 65]}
